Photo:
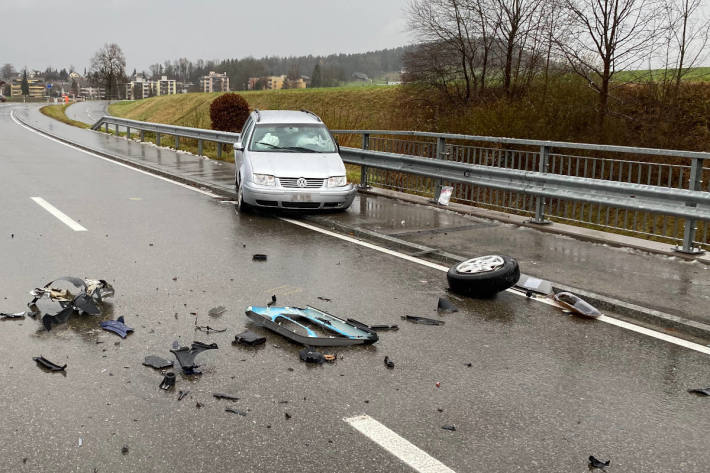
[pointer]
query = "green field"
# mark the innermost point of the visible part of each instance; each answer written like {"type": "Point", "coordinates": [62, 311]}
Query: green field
{"type": "Point", "coordinates": [58, 112]}
{"type": "Point", "coordinates": [696, 74]}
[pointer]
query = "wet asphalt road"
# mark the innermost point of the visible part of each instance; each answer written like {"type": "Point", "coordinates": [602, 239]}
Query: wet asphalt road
{"type": "Point", "coordinates": [89, 111]}
{"type": "Point", "coordinates": [543, 392]}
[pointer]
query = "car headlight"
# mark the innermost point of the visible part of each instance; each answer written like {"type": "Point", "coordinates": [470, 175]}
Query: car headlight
{"type": "Point", "coordinates": [337, 181]}
{"type": "Point", "coordinates": [264, 179]}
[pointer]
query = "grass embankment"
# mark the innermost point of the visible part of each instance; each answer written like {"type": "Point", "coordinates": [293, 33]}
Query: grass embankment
{"type": "Point", "coordinates": [58, 112]}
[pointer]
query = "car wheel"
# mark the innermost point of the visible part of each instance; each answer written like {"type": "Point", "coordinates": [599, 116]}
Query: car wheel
{"type": "Point", "coordinates": [483, 276]}
{"type": "Point", "coordinates": [241, 205]}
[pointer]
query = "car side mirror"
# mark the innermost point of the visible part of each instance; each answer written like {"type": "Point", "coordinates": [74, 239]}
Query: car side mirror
{"type": "Point", "coordinates": [337, 145]}
{"type": "Point", "coordinates": [238, 146]}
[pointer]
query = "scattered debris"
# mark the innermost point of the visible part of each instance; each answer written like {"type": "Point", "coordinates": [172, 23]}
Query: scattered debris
{"type": "Point", "coordinates": [595, 463]}
{"type": "Point", "coordinates": [248, 338]}
{"type": "Point", "coordinates": [225, 396]}
{"type": "Point", "coordinates": [311, 356]}
{"type": "Point", "coordinates": [445, 305]}
{"type": "Point", "coordinates": [576, 304]}
{"type": "Point", "coordinates": [235, 411]}
{"type": "Point", "coordinates": [483, 276]}
{"type": "Point", "coordinates": [389, 363]}
{"type": "Point", "coordinates": [207, 329]}
{"type": "Point", "coordinates": [422, 320]}
{"type": "Point", "coordinates": [157, 362]}
{"type": "Point", "coordinates": [168, 381]}
{"type": "Point", "coordinates": [117, 326]}
{"type": "Point", "coordinates": [216, 311]}
{"type": "Point", "coordinates": [530, 284]}
{"type": "Point", "coordinates": [330, 358]}
{"type": "Point", "coordinates": [376, 328]}
{"type": "Point", "coordinates": [298, 325]}
{"type": "Point", "coordinates": [124, 449]}
{"type": "Point", "coordinates": [451, 428]}
{"type": "Point", "coordinates": [287, 415]}
{"type": "Point", "coordinates": [258, 257]}
{"type": "Point", "coordinates": [273, 301]}
{"type": "Point", "coordinates": [438, 384]}
{"type": "Point", "coordinates": [469, 364]}
{"type": "Point", "coordinates": [186, 356]}
{"type": "Point", "coordinates": [198, 405]}
{"type": "Point", "coordinates": [81, 441]}
{"type": "Point", "coordinates": [61, 303]}
{"type": "Point", "coordinates": [45, 363]}
{"type": "Point", "coordinates": [700, 391]}
{"type": "Point", "coordinates": [182, 394]}
{"type": "Point", "coordinates": [18, 315]}
{"type": "Point", "coordinates": [324, 299]}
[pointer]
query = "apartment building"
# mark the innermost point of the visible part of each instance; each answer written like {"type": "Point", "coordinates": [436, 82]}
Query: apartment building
{"type": "Point", "coordinates": [37, 87]}
{"type": "Point", "coordinates": [165, 86]}
{"type": "Point", "coordinates": [139, 88]}
{"type": "Point", "coordinates": [275, 82]}
{"type": "Point", "coordinates": [214, 82]}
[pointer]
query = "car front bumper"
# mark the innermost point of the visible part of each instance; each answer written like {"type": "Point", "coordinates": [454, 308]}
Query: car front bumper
{"type": "Point", "coordinates": [288, 198]}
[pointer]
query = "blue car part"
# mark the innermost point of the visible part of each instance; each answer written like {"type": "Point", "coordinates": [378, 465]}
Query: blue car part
{"type": "Point", "coordinates": [117, 326]}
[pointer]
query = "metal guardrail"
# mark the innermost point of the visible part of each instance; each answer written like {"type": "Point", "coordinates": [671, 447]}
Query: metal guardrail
{"type": "Point", "coordinates": [614, 188]}
{"type": "Point", "coordinates": [199, 134]}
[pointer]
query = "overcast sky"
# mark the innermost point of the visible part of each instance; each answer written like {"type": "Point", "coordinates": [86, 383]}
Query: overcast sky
{"type": "Point", "coordinates": [38, 33]}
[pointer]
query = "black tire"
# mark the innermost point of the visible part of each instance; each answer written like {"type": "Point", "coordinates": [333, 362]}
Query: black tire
{"type": "Point", "coordinates": [242, 207]}
{"type": "Point", "coordinates": [485, 284]}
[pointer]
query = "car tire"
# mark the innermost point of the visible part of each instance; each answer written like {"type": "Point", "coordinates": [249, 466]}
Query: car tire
{"type": "Point", "coordinates": [241, 205]}
{"type": "Point", "coordinates": [487, 283]}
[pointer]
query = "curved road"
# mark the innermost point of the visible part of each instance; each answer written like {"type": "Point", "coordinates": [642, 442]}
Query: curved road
{"type": "Point", "coordinates": [89, 111]}
{"type": "Point", "coordinates": [527, 388]}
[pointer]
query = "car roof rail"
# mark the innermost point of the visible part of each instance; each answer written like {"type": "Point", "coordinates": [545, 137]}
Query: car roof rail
{"type": "Point", "coordinates": [311, 113]}
{"type": "Point", "coordinates": [258, 115]}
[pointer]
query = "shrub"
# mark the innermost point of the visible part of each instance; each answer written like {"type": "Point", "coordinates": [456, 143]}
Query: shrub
{"type": "Point", "coordinates": [228, 112]}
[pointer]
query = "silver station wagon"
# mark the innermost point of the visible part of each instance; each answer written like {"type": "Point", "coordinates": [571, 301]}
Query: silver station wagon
{"type": "Point", "coordinates": [289, 160]}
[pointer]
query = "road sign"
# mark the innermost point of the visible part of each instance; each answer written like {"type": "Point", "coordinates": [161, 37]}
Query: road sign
{"type": "Point", "coordinates": [49, 86]}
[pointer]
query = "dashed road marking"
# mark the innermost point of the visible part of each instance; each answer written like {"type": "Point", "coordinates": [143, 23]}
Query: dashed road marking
{"type": "Point", "coordinates": [61, 216]}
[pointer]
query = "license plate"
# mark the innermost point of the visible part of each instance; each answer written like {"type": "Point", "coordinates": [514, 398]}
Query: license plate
{"type": "Point", "coordinates": [301, 197]}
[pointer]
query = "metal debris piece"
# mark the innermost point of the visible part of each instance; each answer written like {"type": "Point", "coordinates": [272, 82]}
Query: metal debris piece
{"type": "Point", "coordinates": [273, 301]}
{"type": "Point", "coordinates": [45, 363]}
{"type": "Point", "coordinates": [117, 326]}
{"type": "Point", "coordinates": [595, 463]}
{"type": "Point", "coordinates": [389, 363]}
{"type": "Point", "coordinates": [59, 304]}
{"type": "Point", "coordinates": [422, 320]}
{"type": "Point", "coordinates": [168, 381]}
{"type": "Point", "coordinates": [228, 397]}
{"type": "Point", "coordinates": [217, 311]}
{"type": "Point", "coordinates": [451, 428]}
{"type": "Point", "coordinates": [18, 315]}
{"type": "Point", "coordinates": [248, 338]}
{"type": "Point", "coordinates": [207, 329]}
{"type": "Point", "coordinates": [700, 391]}
{"type": "Point", "coordinates": [258, 257]}
{"type": "Point", "coordinates": [182, 394]}
{"type": "Point", "coordinates": [235, 411]}
{"type": "Point", "coordinates": [309, 355]}
{"type": "Point", "coordinates": [157, 362]}
{"type": "Point", "coordinates": [530, 284]}
{"type": "Point", "coordinates": [576, 304]}
{"type": "Point", "coordinates": [300, 325]}
{"type": "Point", "coordinates": [186, 356]}
{"type": "Point", "coordinates": [376, 328]}
{"type": "Point", "coordinates": [324, 299]}
{"type": "Point", "coordinates": [445, 305]}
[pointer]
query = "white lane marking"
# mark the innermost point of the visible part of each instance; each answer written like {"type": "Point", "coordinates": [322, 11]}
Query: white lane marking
{"type": "Point", "coordinates": [397, 445]}
{"type": "Point", "coordinates": [201, 191]}
{"type": "Point", "coordinates": [61, 216]}
{"type": "Point", "coordinates": [609, 320]}
{"type": "Point", "coordinates": [413, 259]}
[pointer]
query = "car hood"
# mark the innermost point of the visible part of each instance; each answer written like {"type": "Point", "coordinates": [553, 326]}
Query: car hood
{"type": "Point", "coordinates": [316, 165]}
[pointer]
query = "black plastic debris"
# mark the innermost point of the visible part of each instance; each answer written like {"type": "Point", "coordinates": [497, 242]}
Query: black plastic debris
{"type": "Point", "coordinates": [451, 428]}
{"type": "Point", "coordinates": [57, 305]}
{"type": "Point", "coordinates": [422, 320]}
{"type": "Point", "coordinates": [309, 355]}
{"type": "Point", "coordinates": [258, 257]}
{"type": "Point", "coordinates": [18, 315]}
{"type": "Point", "coordinates": [186, 356]}
{"type": "Point", "coordinates": [324, 299]}
{"type": "Point", "coordinates": [376, 328]}
{"type": "Point", "coordinates": [228, 397]}
{"type": "Point", "coordinates": [157, 362]}
{"type": "Point", "coordinates": [248, 338]}
{"type": "Point", "coordinates": [446, 306]}
{"type": "Point", "coordinates": [207, 329]}
{"type": "Point", "coordinates": [595, 463]}
{"type": "Point", "coordinates": [124, 449]}
{"type": "Point", "coordinates": [45, 363]}
{"type": "Point", "coordinates": [117, 326]}
{"type": "Point", "coordinates": [182, 394]}
{"type": "Point", "coordinates": [273, 301]}
{"type": "Point", "coordinates": [235, 411]}
{"type": "Point", "coordinates": [168, 381]}
{"type": "Point", "coordinates": [700, 391]}
{"type": "Point", "coordinates": [287, 415]}
{"type": "Point", "coordinates": [389, 363]}
{"type": "Point", "coordinates": [217, 311]}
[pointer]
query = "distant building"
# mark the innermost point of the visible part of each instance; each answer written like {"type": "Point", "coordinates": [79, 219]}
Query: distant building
{"type": "Point", "coordinates": [275, 82]}
{"type": "Point", "coordinates": [92, 92]}
{"type": "Point", "coordinates": [360, 76]}
{"type": "Point", "coordinates": [139, 88]}
{"type": "Point", "coordinates": [165, 86]}
{"type": "Point", "coordinates": [36, 85]}
{"type": "Point", "coordinates": [214, 82]}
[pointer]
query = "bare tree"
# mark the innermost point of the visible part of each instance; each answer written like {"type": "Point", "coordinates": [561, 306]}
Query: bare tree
{"type": "Point", "coordinates": [688, 34]}
{"type": "Point", "coordinates": [606, 36]}
{"type": "Point", "coordinates": [7, 71]}
{"type": "Point", "coordinates": [109, 67]}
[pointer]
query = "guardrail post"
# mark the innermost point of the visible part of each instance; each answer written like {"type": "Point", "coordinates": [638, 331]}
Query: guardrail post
{"type": "Point", "coordinates": [117, 134]}
{"type": "Point", "coordinates": [157, 138]}
{"type": "Point", "coordinates": [540, 200]}
{"type": "Point", "coordinates": [694, 184]}
{"type": "Point", "coordinates": [142, 133]}
{"type": "Point", "coordinates": [106, 127]}
{"type": "Point", "coordinates": [199, 147]}
{"type": "Point", "coordinates": [440, 154]}
{"type": "Point", "coordinates": [219, 150]}
{"type": "Point", "coordinates": [363, 169]}
{"type": "Point", "coordinates": [177, 142]}
{"type": "Point", "coordinates": [128, 132]}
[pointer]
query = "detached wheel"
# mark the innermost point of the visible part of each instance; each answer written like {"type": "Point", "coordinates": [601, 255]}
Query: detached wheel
{"type": "Point", "coordinates": [484, 276]}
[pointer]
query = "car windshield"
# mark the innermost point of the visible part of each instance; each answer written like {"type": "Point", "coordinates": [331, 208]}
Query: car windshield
{"type": "Point", "coordinates": [292, 138]}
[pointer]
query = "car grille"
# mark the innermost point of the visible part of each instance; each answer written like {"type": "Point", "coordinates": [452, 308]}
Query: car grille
{"type": "Point", "coordinates": [301, 205]}
{"type": "Point", "coordinates": [293, 183]}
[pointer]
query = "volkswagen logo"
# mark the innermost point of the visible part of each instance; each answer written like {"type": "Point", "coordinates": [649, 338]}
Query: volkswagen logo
{"type": "Point", "coordinates": [301, 182]}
